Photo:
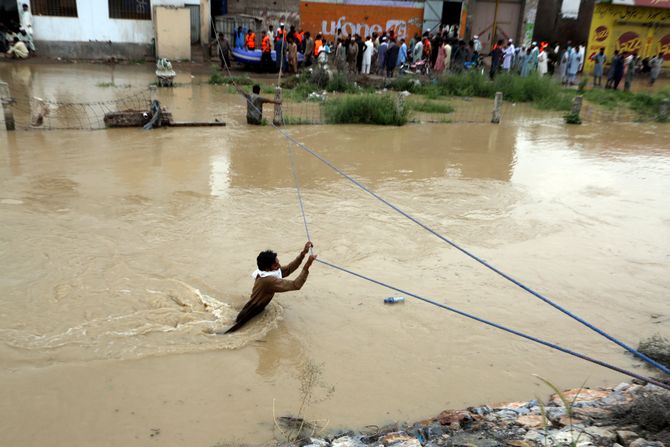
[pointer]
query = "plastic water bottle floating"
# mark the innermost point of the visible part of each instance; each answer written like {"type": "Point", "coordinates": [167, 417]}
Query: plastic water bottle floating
{"type": "Point", "coordinates": [394, 299]}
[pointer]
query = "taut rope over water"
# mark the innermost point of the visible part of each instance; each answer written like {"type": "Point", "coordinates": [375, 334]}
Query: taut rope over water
{"type": "Point", "coordinates": [538, 295]}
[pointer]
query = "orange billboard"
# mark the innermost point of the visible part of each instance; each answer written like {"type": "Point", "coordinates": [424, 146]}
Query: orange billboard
{"type": "Point", "coordinates": [361, 17]}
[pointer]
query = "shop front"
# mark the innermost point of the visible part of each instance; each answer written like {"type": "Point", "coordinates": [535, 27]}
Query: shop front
{"type": "Point", "coordinates": [361, 17]}
{"type": "Point", "coordinates": [630, 26]}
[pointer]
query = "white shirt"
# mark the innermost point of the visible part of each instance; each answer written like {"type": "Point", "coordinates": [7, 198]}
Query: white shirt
{"type": "Point", "coordinates": [508, 55]}
{"type": "Point", "coordinates": [367, 55]}
{"type": "Point", "coordinates": [27, 21]}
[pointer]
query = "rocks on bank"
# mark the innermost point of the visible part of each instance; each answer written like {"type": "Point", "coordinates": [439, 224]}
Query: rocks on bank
{"type": "Point", "coordinates": [629, 415]}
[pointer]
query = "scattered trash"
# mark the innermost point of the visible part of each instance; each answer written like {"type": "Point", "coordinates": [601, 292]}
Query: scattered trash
{"type": "Point", "coordinates": [394, 299]}
{"type": "Point", "coordinates": [317, 96]}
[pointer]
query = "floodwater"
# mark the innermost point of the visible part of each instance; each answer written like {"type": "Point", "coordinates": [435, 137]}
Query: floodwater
{"type": "Point", "coordinates": [122, 250]}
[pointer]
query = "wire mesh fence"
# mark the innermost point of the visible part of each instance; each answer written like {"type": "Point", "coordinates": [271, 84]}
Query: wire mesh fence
{"type": "Point", "coordinates": [39, 113]}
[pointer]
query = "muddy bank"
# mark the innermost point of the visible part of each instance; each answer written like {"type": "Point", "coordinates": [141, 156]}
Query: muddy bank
{"type": "Point", "coordinates": [628, 415]}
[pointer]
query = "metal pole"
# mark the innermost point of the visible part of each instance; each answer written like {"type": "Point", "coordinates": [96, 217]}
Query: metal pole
{"type": "Point", "coordinates": [6, 101]}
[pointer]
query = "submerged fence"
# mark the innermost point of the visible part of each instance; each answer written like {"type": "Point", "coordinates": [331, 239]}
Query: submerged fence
{"type": "Point", "coordinates": [47, 114]}
{"type": "Point", "coordinates": [39, 113]}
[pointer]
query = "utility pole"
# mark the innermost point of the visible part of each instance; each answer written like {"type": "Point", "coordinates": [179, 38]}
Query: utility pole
{"type": "Point", "coordinates": [494, 29]}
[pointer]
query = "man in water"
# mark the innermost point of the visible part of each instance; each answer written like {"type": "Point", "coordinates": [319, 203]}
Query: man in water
{"type": "Point", "coordinates": [269, 279]}
{"type": "Point", "coordinates": [255, 105]}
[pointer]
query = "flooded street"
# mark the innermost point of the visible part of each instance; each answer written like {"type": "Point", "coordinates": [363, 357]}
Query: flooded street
{"type": "Point", "coordinates": [123, 249]}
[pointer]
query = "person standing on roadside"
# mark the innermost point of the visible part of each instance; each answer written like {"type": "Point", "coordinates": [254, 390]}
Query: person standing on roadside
{"type": "Point", "coordinates": [27, 19]}
{"type": "Point", "coordinates": [367, 56]}
{"type": "Point", "coordinates": [292, 55]}
{"type": "Point", "coordinates": [617, 69]}
{"type": "Point", "coordinates": [629, 71]}
{"type": "Point", "coordinates": [496, 59]}
{"type": "Point", "coordinates": [656, 64]}
{"type": "Point", "coordinates": [223, 50]}
{"type": "Point", "coordinates": [309, 49]}
{"type": "Point", "coordinates": [402, 54]}
{"type": "Point", "coordinates": [599, 59]}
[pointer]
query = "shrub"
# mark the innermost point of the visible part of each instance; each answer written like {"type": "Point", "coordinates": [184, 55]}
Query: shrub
{"type": "Point", "coordinates": [542, 91]}
{"type": "Point", "coordinates": [301, 90]}
{"type": "Point", "coordinates": [340, 83]}
{"type": "Point", "coordinates": [319, 77]}
{"type": "Point", "coordinates": [365, 109]}
{"type": "Point", "coordinates": [572, 118]}
{"type": "Point", "coordinates": [411, 84]}
{"type": "Point", "coordinates": [657, 348]}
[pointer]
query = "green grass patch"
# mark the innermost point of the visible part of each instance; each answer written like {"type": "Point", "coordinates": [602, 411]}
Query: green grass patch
{"type": "Point", "coordinates": [268, 89]}
{"type": "Point", "coordinates": [429, 106]}
{"type": "Point", "coordinates": [296, 120]}
{"type": "Point", "coordinates": [220, 78]}
{"type": "Point", "coordinates": [365, 109]}
{"type": "Point", "coordinates": [340, 83]}
{"type": "Point", "coordinates": [646, 105]}
{"type": "Point", "coordinates": [543, 92]}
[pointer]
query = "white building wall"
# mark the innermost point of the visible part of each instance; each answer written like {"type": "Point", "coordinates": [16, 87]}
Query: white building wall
{"type": "Point", "coordinates": [93, 24]}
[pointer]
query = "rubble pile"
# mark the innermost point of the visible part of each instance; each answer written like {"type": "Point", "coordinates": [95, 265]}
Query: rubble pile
{"type": "Point", "coordinates": [629, 415]}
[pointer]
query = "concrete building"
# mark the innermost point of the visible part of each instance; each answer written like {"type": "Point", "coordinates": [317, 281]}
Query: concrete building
{"type": "Point", "coordinates": [100, 29]}
{"type": "Point", "coordinates": [630, 26]}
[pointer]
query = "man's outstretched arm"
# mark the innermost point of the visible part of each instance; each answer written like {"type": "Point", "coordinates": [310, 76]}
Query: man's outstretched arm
{"type": "Point", "coordinates": [286, 285]}
{"type": "Point", "coordinates": [286, 270]}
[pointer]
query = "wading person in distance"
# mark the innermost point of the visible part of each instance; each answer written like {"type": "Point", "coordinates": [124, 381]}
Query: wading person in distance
{"type": "Point", "coordinates": [255, 105]}
{"type": "Point", "coordinates": [269, 279]}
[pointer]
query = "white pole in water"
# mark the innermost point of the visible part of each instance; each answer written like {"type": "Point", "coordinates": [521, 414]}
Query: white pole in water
{"type": "Point", "coordinates": [497, 108]}
{"type": "Point", "coordinates": [279, 117]}
{"type": "Point", "coordinates": [6, 102]}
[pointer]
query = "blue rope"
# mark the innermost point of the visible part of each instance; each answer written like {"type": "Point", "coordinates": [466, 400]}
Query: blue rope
{"type": "Point", "coordinates": [288, 137]}
{"type": "Point", "coordinates": [630, 349]}
{"type": "Point", "coordinates": [459, 312]}
{"type": "Point", "coordinates": [501, 327]}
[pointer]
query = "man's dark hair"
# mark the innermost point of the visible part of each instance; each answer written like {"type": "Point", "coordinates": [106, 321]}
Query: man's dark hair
{"type": "Point", "coordinates": [265, 259]}
{"type": "Point", "coordinates": [256, 89]}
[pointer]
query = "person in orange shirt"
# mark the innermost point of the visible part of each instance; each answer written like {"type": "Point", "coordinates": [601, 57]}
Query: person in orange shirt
{"type": "Point", "coordinates": [266, 53]}
{"type": "Point", "coordinates": [251, 40]}
{"type": "Point", "coordinates": [318, 43]}
{"type": "Point", "coordinates": [281, 33]}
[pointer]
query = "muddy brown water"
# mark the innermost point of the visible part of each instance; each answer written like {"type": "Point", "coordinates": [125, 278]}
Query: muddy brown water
{"type": "Point", "coordinates": [122, 249]}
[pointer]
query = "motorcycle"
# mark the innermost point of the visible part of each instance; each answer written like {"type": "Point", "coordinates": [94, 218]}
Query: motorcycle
{"type": "Point", "coordinates": [421, 67]}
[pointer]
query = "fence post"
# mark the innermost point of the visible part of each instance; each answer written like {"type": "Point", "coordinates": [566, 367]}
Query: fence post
{"type": "Point", "coordinates": [663, 112]}
{"type": "Point", "coordinates": [497, 108]}
{"type": "Point", "coordinates": [577, 106]}
{"type": "Point", "coordinates": [278, 118]}
{"type": "Point", "coordinates": [6, 102]}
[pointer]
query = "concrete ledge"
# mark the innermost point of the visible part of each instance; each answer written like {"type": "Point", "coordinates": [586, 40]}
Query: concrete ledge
{"type": "Point", "coordinates": [94, 50]}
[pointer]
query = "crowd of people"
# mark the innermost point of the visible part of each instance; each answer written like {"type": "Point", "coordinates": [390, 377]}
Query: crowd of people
{"type": "Point", "coordinates": [378, 53]}
{"type": "Point", "coordinates": [16, 39]}
{"type": "Point", "coordinates": [436, 51]}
